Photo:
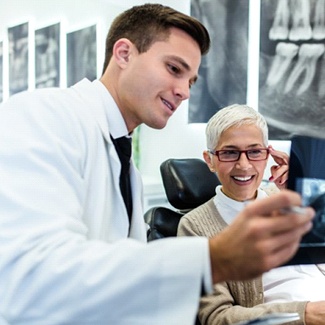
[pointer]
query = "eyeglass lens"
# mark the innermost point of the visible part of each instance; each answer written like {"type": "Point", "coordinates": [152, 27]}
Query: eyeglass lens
{"type": "Point", "coordinates": [233, 155]}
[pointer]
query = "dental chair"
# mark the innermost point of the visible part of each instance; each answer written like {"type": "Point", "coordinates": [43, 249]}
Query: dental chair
{"type": "Point", "coordinates": [188, 183]}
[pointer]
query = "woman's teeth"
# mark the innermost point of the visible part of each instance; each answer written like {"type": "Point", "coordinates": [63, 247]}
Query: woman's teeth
{"type": "Point", "coordinates": [242, 179]}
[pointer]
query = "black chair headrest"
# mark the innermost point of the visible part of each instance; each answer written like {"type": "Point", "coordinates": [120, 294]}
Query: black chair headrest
{"type": "Point", "coordinates": [188, 182]}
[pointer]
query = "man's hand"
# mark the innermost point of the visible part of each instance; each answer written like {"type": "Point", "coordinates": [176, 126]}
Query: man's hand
{"type": "Point", "coordinates": [262, 237]}
{"type": "Point", "coordinates": [280, 171]}
{"type": "Point", "coordinates": [315, 313]}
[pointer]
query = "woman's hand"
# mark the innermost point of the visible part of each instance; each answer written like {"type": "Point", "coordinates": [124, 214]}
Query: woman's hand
{"type": "Point", "coordinates": [280, 171]}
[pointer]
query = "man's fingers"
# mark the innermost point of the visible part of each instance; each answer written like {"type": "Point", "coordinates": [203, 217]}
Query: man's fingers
{"type": "Point", "coordinates": [266, 206]}
{"type": "Point", "coordinates": [284, 246]}
{"type": "Point", "coordinates": [267, 233]}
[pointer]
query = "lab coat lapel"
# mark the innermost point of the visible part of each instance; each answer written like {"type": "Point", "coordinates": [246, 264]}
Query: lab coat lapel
{"type": "Point", "coordinates": [137, 228]}
{"type": "Point", "coordinates": [98, 111]}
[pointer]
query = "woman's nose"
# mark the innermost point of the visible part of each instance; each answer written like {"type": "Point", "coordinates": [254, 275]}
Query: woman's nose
{"type": "Point", "coordinates": [243, 162]}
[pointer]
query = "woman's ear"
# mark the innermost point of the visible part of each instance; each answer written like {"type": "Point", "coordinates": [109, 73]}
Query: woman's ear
{"type": "Point", "coordinates": [208, 160]}
{"type": "Point", "coordinates": [122, 50]}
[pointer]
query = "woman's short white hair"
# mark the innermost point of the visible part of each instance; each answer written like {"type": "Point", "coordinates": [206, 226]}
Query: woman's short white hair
{"type": "Point", "coordinates": [233, 115]}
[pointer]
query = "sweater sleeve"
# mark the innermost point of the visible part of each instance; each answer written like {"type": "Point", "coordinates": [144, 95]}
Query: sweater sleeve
{"type": "Point", "coordinates": [222, 308]}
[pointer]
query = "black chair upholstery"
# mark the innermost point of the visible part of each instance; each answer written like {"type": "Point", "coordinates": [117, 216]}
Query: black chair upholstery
{"type": "Point", "coordinates": [163, 222]}
{"type": "Point", "coordinates": [188, 183]}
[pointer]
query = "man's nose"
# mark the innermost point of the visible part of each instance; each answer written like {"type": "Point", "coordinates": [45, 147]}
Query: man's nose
{"type": "Point", "coordinates": [182, 89]}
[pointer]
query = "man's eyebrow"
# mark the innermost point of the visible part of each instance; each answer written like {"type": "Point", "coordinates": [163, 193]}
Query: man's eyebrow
{"type": "Point", "coordinates": [180, 61]}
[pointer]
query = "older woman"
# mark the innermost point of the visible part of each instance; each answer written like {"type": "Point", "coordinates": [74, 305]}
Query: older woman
{"type": "Point", "coordinates": [237, 142]}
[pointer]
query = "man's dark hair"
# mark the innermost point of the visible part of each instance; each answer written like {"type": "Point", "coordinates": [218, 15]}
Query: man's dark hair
{"type": "Point", "coordinates": [143, 25]}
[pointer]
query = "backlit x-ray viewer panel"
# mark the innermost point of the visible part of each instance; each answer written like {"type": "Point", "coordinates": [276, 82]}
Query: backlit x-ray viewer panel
{"type": "Point", "coordinates": [307, 176]}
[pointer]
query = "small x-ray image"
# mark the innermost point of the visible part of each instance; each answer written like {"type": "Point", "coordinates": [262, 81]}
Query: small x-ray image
{"type": "Point", "coordinates": [313, 193]}
{"type": "Point", "coordinates": [292, 67]}
{"type": "Point", "coordinates": [47, 56]}
{"type": "Point", "coordinates": [18, 58]}
{"type": "Point", "coordinates": [223, 72]}
{"type": "Point", "coordinates": [307, 177]}
{"type": "Point", "coordinates": [81, 55]}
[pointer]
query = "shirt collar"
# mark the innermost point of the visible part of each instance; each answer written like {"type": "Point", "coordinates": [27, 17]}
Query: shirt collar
{"type": "Point", "coordinates": [229, 208]}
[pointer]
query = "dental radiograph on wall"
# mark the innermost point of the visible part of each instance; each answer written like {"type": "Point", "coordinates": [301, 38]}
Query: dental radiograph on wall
{"type": "Point", "coordinates": [292, 67]}
{"type": "Point", "coordinates": [223, 72]}
{"type": "Point", "coordinates": [18, 58]}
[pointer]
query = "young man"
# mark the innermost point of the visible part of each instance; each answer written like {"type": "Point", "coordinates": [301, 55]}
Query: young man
{"type": "Point", "coordinates": [70, 253]}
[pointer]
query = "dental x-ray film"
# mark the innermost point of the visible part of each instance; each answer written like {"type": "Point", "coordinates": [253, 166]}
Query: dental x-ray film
{"type": "Point", "coordinates": [307, 176]}
{"type": "Point", "coordinates": [291, 66]}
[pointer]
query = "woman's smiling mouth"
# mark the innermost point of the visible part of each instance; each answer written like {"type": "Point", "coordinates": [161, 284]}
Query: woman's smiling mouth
{"type": "Point", "coordinates": [242, 178]}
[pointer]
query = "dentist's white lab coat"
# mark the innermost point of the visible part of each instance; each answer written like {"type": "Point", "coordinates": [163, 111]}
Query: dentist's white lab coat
{"type": "Point", "coordinates": [64, 253]}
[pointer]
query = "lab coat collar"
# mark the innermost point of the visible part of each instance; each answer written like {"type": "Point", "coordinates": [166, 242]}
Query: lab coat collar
{"type": "Point", "coordinates": [105, 110]}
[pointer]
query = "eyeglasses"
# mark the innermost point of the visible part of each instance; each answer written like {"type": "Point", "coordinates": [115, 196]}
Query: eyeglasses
{"type": "Point", "coordinates": [234, 155]}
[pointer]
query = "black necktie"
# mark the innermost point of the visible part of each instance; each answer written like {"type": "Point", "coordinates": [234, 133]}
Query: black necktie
{"type": "Point", "coordinates": [124, 148]}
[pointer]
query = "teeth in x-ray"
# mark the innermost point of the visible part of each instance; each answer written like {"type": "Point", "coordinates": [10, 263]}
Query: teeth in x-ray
{"type": "Point", "coordinates": [321, 88]}
{"type": "Point", "coordinates": [301, 29]}
{"type": "Point", "coordinates": [279, 29]}
{"type": "Point", "coordinates": [307, 60]}
{"type": "Point", "coordinates": [285, 52]}
{"type": "Point", "coordinates": [319, 20]}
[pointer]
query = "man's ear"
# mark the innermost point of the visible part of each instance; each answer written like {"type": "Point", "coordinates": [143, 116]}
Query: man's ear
{"type": "Point", "coordinates": [122, 50]}
{"type": "Point", "coordinates": [208, 160]}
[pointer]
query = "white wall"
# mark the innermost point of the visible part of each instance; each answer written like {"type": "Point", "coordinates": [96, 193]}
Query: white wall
{"type": "Point", "coordinates": [72, 16]}
{"type": "Point", "coordinates": [178, 139]}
